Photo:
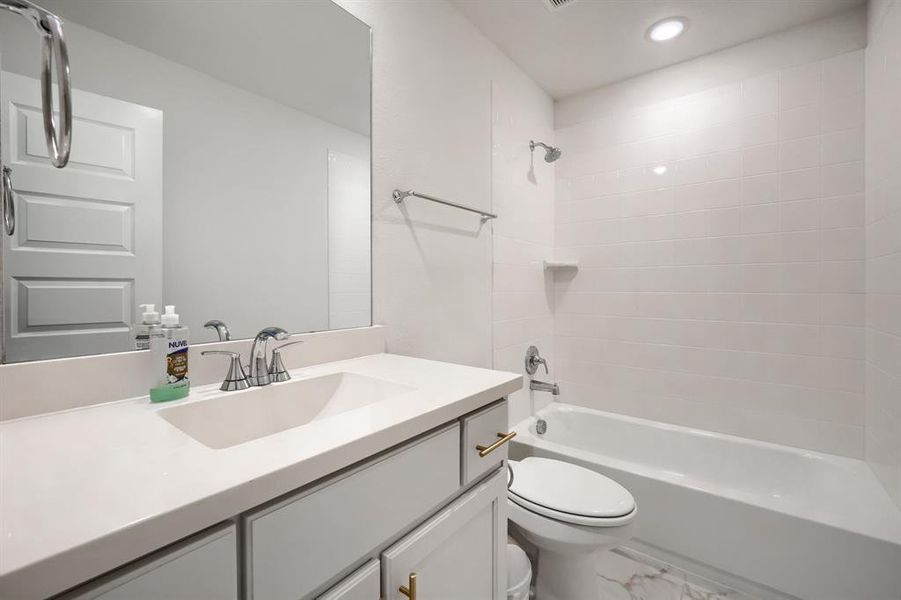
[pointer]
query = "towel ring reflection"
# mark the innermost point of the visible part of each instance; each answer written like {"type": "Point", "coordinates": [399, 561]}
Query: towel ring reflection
{"type": "Point", "coordinates": [59, 138]}
{"type": "Point", "coordinates": [57, 131]}
{"type": "Point", "coordinates": [8, 203]}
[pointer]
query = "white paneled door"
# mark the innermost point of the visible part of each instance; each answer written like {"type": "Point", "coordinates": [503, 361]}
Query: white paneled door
{"type": "Point", "coordinates": [88, 241]}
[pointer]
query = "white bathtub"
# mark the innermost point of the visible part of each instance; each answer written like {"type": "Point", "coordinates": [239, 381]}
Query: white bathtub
{"type": "Point", "coordinates": [797, 522]}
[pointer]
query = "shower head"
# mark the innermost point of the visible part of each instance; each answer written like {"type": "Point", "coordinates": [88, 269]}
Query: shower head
{"type": "Point", "coordinates": [551, 153]}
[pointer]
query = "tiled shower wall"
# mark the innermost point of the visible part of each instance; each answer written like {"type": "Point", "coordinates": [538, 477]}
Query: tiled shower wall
{"type": "Point", "coordinates": [522, 189]}
{"type": "Point", "coordinates": [883, 229]}
{"type": "Point", "coordinates": [721, 242]}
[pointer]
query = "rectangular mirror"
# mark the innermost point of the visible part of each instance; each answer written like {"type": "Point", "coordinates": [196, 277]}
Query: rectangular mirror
{"type": "Point", "coordinates": [220, 162]}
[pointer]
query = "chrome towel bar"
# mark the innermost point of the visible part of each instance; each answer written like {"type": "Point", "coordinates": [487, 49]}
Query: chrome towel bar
{"type": "Point", "coordinates": [400, 196]}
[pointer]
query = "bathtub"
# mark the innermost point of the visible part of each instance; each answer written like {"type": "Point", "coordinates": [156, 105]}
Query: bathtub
{"type": "Point", "coordinates": [766, 517]}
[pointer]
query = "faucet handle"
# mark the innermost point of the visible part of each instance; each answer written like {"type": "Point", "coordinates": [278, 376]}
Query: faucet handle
{"type": "Point", "coordinates": [533, 360]}
{"type": "Point", "coordinates": [235, 379]}
{"type": "Point", "coordinates": [277, 370]}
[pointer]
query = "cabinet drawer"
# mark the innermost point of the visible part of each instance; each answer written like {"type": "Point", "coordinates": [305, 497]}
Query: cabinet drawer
{"type": "Point", "coordinates": [362, 584]}
{"type": "Point", "coordinates": [297, 545]}
{"type": "Point", "coordinates": [203, 567]}
{"type": "Point", "coordinates": [481, 429]}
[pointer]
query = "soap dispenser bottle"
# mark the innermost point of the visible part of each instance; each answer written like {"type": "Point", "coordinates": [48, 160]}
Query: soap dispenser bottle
{"type": "Point", "coordinates": [169, 346]}
{"type": "Point", "coordinates": [150, 320]}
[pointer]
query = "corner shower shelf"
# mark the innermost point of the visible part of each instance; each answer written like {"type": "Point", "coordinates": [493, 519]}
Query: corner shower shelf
{"type": "Point", "coordinates": [561, 265]}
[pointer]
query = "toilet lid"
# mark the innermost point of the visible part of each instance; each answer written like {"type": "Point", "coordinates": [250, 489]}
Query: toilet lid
{"type": "Point", "coordinates": [570, 489]}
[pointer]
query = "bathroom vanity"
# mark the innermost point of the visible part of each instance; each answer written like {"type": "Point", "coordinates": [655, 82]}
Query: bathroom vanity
{"type": "Point", "coordinates": [406, 491]}
{"type": "Point", "coordinates": [364, 475]}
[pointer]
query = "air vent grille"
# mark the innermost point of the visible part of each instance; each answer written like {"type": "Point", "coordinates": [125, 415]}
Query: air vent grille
{"type": "Point", "coordinates": [555, 5]}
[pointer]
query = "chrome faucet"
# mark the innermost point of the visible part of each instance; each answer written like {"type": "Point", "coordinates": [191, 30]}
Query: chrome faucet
{"type": "Point", "coordinates": [540, 386]}
{"type": "Point", "coordinates": [259, 367]}
{"type": "Point", "coordinates": [221, 329]}
{"type": "Point", "coordinates": [533, 361]}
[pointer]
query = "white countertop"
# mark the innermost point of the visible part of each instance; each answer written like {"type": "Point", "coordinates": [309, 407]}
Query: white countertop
{"type": "Point", "coordinates": [86, 490]}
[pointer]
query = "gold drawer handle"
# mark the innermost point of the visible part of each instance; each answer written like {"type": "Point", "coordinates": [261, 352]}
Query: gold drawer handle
{"type": "Point", "coordinates": [486, 450]}
{"type": "Point", "coordinates": [409, 590]}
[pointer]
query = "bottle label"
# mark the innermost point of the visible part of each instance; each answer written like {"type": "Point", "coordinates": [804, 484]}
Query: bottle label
{"type": "Point", "coordinates": [142, 341]}
{"type": "Point", "coordinates": [177, 361]}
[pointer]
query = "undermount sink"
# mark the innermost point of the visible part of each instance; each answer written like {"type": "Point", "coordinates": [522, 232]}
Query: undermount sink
{"type": "Point", "coordinates": [236, 417]}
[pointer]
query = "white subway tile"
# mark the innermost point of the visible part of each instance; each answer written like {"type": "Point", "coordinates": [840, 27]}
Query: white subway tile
{"type": "Point", "coordinates": [760, 95]}
{"type": "Point", "coordinates": [799, 122]}
{"type": "Point", "coordinates": [843, 146]}
{"type": "Point", "coordinates": [806, 277]}
{"type": "Point", "coordinates": [842, 244]}
{"type": "Point", "coordinates": [843, 75]}
{"type": "Point", "coordinates": [800, 246]}
{"type": "Point", "coordinates": [842, 211]}
{"type": "Point", "coordinates": [842, 309]}
{"type": "Point", "coordinates": [842, 277]}
{"type": "Point", "coordinates": [801, 153]}
{"type": "Point", "coordinates": [760, 189]}
{"type": "Point", "coordinates": [725, 221]}
{"type": "Point", "coordinates": [843, 179]}
{"type": "Point", "coordinates": [844, 113]}
{"type": "Point", "coordinates": [800, 215]}
{"type": "Point", "coordinates": [761, 218]}
{"type": "Point", "coordinates": [724, 165]}
{"type": "Point", "coordinates": [721, 194]}
{"type": "Point", "coordinates": [760, 159]}
{"type": "Point", "coordinates": [691, 170]}
{"type": "Point", "coordinates": [799, 86]}
{"type": "Point", "coordinates": [797, 185]}
{"type": "Point", "coordinates": [762, 248]}
{"type": "Point", "coordinates": [759, 129]}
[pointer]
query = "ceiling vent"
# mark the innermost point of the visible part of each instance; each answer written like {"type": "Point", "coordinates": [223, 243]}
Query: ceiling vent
{"type": "Point", "coordinates": [555, 5]}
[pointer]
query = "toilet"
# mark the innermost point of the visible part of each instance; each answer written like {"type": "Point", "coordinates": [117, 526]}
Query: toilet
{"type": "Point", "coordinates": [569, 513]}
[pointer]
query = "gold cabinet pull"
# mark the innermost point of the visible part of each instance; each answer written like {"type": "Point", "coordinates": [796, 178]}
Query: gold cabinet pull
{"type": "Point", "coordinates": [504, 438]}
{"type": "Point", "coordinates": [409, 590]}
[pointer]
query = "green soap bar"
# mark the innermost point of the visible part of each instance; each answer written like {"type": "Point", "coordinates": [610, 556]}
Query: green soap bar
{"type": "Point", "coordinates": [171, 391]}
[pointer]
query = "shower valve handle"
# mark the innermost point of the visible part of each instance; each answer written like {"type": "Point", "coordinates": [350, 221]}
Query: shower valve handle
{"type": "Point", "coordinates": [533, 360]}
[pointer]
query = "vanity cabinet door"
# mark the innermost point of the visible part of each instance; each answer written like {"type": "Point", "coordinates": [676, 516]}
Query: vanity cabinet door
{"type": "Point", "coordinates": [204, 567]}
{"type": "Point", "coordinates": [458, 553]}
{"type": "Point", "coordinates": [362, 584]}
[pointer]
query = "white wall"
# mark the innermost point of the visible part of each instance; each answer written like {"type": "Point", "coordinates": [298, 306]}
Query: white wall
{"type": "Point", "coordinates": [244, 202]}
{"type": "Point", "coordinates": [523, 191]}
{"type": "Point", "coordinates": [727, 292]}
{"type": "Point", "coordinates": [883, 228]}
{"type": "Point", "coordinates": [432, 75]}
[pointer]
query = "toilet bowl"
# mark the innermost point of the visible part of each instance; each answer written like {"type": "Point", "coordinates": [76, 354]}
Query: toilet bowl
{"type": "Point", "coordinates": [569, 513]}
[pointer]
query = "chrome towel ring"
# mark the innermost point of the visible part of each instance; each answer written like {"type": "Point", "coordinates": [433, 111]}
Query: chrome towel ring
{"type": "Point", "coordinates": [57, 132]}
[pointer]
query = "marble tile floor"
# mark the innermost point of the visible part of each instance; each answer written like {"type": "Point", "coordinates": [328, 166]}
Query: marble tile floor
{"type": "Point", "coordinates": [627, 575]}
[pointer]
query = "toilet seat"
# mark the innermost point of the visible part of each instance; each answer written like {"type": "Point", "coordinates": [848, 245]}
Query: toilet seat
{"type": "Point", "coordinates": [569, 493]}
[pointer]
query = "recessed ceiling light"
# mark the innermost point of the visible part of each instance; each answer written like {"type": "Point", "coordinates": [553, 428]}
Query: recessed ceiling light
{"type": "Point", "coordinates": [667, 29]}
{"type": "Point", "coordinates": [660, 170]}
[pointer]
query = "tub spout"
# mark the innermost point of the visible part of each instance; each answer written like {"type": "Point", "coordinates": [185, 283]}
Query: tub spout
{"type": "Point", "coordinates": [540, 386]}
